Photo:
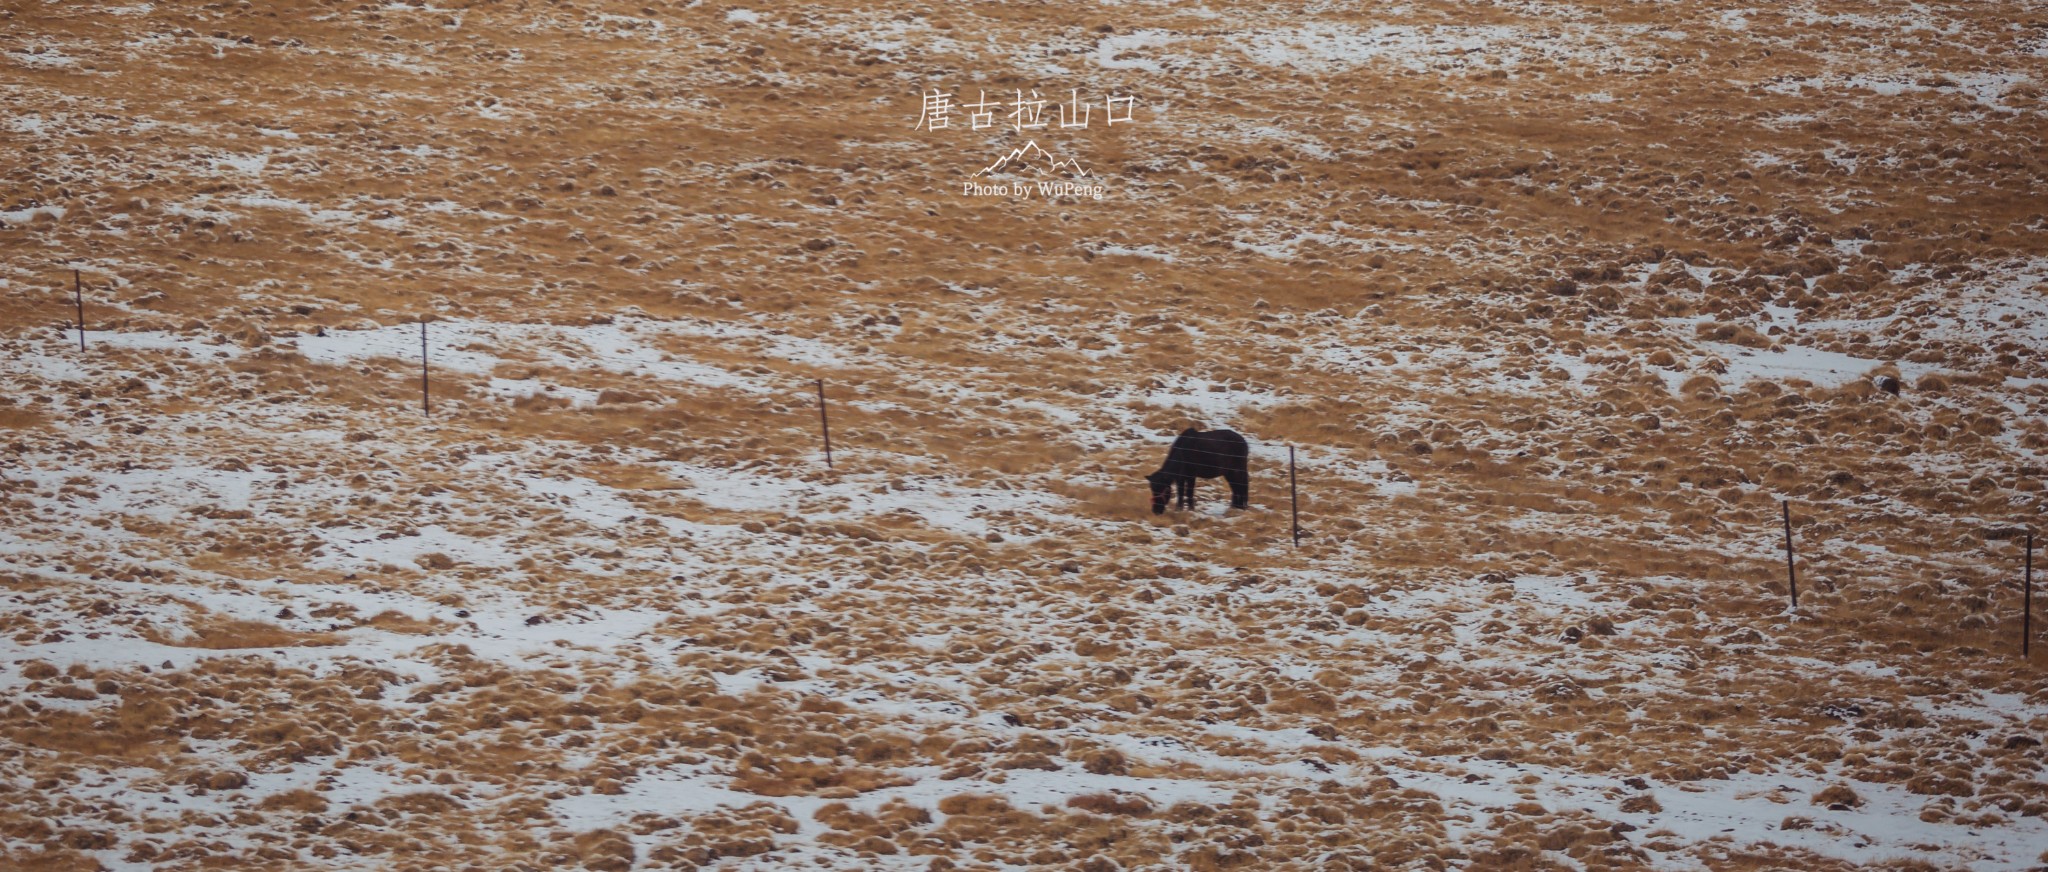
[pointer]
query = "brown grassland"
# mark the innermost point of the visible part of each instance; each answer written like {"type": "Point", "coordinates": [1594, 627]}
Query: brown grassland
{"type": "Point", "coordinates": [1558, 304]}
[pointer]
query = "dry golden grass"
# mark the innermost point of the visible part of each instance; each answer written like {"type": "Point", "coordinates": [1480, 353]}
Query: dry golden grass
{"type": "Point", "coordinates": [304, 801]}
{"type": "Point", "coordinates": [1130, 503]}
{"type": "Point", "coordinates": [986, 346]}
{"type": "Point", "coordinates": [139, 730]}
{"type": "Point", "coordinates": [400, 622]}
{"type": "Point", "coordinates": [1112, 804]}
{"type": "Point", "coordinates": [56, 860]}
{"type": "Point", "coordinates": [14, 417]}
{"type": "Point", "coordinates": [637, 478]}
{"type": "Point", "coordinates": [218, 633]}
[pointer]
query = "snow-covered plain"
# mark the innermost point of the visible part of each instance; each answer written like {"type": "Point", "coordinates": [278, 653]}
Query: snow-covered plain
{"type": "Point", "coordinates": [1555, 305]}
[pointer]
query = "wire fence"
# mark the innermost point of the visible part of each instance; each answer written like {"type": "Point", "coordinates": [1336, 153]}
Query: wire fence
{"type": "Point", "coordinates": [1994, 533]}
{"type": "Point", "coordinates": [393, 342]}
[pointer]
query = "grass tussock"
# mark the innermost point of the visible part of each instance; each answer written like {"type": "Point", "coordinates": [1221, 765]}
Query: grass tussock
{"type": "Point", "coordinates": [227, 634]}
{"type": "Point", "coordinates": [138, 731]}
{"type": "Point", "coordinates": [1120, 804]}
{"type": "Point", "coordinates": [400, 622]}
{"type": "Point", "coordinates": [1540, 502]}
{"type": "Point", "coordinates": [18, 418]}
{"type": "Point", "coordinates": [1130, 503]}
{"type": "Point", "coordinates": [302, 801]}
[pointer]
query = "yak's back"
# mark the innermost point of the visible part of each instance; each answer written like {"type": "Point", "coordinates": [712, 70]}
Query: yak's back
{"type": "Point", "coordinates": [1211, 439]}
{"type": "Point", "coordinates": [1210, 449]}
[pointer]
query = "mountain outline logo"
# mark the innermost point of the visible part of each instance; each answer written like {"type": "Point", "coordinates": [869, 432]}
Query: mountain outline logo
{"type": "Point", "coordinates": [1025, 153]}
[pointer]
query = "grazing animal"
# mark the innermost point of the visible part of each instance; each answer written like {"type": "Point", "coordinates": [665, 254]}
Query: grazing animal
{"type": "Point", "coordinates": [1197, 454]}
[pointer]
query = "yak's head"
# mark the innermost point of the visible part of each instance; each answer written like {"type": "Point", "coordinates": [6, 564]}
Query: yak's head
{"type": "Point", "coordinates": [1162, 490]}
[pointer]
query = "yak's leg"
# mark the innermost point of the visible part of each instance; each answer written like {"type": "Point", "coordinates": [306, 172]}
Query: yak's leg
{"type": "Point", "coordinates": [1240, 488]}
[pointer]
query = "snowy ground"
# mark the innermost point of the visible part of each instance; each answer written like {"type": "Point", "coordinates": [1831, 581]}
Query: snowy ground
{"type": "Point", "coordinates": [1555, 305]}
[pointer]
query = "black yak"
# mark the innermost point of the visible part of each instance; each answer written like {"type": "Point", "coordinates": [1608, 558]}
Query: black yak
{"type": "Point", "coordinates": [1197, 454]}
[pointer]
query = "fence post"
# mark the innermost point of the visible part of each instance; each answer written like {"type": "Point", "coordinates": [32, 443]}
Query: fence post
{"type": "Point", "coordinates": [78, 296]}
{"type": "Point", "coordinates": [1791, 574]}
{"type": "Point", "coordinates": [426, 404]}
{"type": "Point", "coordinates": [824, 424]}
{"type": "Point", "coordinates": [1293, 499]}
